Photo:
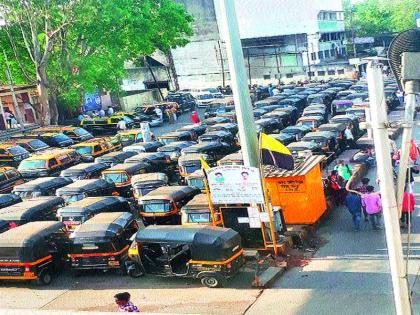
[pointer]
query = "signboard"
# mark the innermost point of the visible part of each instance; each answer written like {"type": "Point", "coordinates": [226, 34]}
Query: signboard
{"type": "Point", "coordinates": [92, 102]}
{"type": "Point", "coordinates": [235, 184]}
{"type": "Point", "coordinates": [364, 40]}
{"type": "Point", "coordinates": [290, 185]}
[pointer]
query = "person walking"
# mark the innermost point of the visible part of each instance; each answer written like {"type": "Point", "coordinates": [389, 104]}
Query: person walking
{"type": "Point", "coordinates": [407, 208]}
{"type": "Point", "coordinates": [168, 112]}
{"type": "Point", "coordinates": [124, 303]}
{"type": "Point", "coordinates": [336, 186]}
{"type": "Point", "coordinates": [371, 201]}
{"type": "Point", "coordinates": [194, 118]}
{"type": "Point", "coordinates": [173, 111]}
{"type": "Point", "coordinates": [344, 170]}
{"type": "Point", "coordinates": [354, 205]}
{"type": "Point", "coordinates": [348, 135]}
{"type": "Point", "coordinates": [362, 189]}
{"type": "Point", "coordinates": [8, 117]}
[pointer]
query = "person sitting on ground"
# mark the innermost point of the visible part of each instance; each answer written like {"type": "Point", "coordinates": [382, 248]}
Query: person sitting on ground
{"type": "Point", "coordinates": [124, 303]}
{"type": "Point", "coordinates": [373, 206]}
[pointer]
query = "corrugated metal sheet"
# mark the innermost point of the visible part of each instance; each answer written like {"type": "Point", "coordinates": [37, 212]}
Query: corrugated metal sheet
{"type": "Point", "coordinates": [302, 166]}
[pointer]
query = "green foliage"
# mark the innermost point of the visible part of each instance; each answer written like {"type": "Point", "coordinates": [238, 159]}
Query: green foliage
{"type": "Point", "coordinates": [375, 17]}
{"type": "Point", "coordinates": [94, 36]}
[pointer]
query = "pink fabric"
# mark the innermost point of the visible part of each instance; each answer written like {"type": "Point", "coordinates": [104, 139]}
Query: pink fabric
{"type": "Point", "coordinates": [372, 203]}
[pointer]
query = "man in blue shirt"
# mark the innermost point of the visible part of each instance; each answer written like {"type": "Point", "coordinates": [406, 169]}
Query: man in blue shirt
{"type": "Point", "coordinates": [354, 205]}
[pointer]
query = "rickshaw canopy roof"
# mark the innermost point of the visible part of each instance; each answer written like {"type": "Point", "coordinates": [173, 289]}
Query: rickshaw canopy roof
{"type": "Point", "coordinates": [84, 185]}
{"type": "Point", "coordinates": [28, 207]}
{"type": "Point", "coordinates": [43, 183]}
{"type": "Point", "coordinates": [172, 193]}
{"type": "Point", "coordinates": [149, 177]}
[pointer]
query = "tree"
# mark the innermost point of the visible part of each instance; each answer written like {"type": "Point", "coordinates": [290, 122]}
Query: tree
{"type": "Point", "coordinates": [376, 17]}
{"type": "Point", "coordinates": [71, 46]}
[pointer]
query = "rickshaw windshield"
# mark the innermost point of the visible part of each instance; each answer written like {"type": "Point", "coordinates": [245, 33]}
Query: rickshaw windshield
{"type": "Point", "coordinates": [190, 168]}
{"type": "Point", "coordinates": [30, 164]}
{"type": "Point", "coordinates": [73, 198]}
{"type": "Point", "coordinates": [127, 137]}
{"type": "Point", "coordinates": [308, 123]}
{"type": "Point", "coordinates": [84, 150]}
{"type": "Point", "coordinates": [143, 190]}
{"type": "Point", "coordinates": [167, 140]}
{"type": "Point", "coordinates": [199, 218]}
{"type": "Point", "coordinates": [156, 206]}
{"type": "Point", "coordinates": [195, 182]}
{"type": "Point", "coordinates": [116, 177]}
{"type": "Point", "coordinates": [17, 150]}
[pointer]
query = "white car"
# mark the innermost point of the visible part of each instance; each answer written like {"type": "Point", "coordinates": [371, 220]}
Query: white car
{"type": "Point", "coordinates": [204, 98]}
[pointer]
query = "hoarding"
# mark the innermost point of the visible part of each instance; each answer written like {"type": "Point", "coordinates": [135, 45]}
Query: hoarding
{"type": "Point", "coordinates": [92, 102]}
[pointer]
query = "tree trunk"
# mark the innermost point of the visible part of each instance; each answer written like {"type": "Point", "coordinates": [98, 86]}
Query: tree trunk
{"type": "Point", "coordinates": [173, 69]}
{"type": "Point", "coordinates": [53, 108]}
{"type": "Point", "coordinates": [42, 87]}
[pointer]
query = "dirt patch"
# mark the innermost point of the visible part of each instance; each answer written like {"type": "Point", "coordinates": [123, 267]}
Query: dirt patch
{"type": "Point", "coordinates": [301, 255]}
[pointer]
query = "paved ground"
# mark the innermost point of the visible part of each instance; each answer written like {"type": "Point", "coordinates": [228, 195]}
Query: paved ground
{"type": "Point", "coordinates": [349, 274]}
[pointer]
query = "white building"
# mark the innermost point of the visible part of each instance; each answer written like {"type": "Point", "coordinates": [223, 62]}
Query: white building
{"type": "Point", "coordinates": [279, 38]}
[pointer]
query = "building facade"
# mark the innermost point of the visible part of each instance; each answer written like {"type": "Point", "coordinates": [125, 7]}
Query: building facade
{"type": "Point", "coordinates": [282, 40]}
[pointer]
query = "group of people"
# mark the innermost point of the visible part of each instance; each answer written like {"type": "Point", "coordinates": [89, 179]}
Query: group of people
{"type": "Point", "coordinates": [97, 113]}
{"type": "Point", "coordinates": [170, 112]}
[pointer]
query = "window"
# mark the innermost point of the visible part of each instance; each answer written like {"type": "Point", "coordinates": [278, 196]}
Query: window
{"type": "Point", "coordinates": [321, 73]}
{"type": "Point", "coordinates": [313, 56]}
{"type": "Point", "coordinates": [341, 71]}
{"type": "Point", "coordinates": [97, 148]}
{"type": "Point", "coordinates": [311, 73]}
{"type": "Point", "coordinates": [52, 163]}
{"type": "Point", "coordinates": [266, 77]}
{"type": "Point", "coordinates": [331, 72]}
{"type": "Point", "coordinates": [332, 52]}
{"type": "Point", "coordinates": [327, 54]}
{"type": "Point", "coordinates": [289, 75]}
{"type": "Point", "coordinates": [333, 16]}
{"type": "Point", "coordinates": [320, 55]}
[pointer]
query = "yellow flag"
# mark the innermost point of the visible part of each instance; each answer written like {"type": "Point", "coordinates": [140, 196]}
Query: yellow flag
{"type": "Point", "coordinates": [204, 164]}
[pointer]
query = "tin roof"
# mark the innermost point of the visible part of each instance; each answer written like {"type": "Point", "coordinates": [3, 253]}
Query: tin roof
{"type": "Point", "coordinates": [302, 166]}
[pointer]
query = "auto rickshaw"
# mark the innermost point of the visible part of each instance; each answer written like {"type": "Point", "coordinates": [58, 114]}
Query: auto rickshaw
{"type": "Point", "coordinates": [258, 113]}
{"type": "Point", "coordinates": [196, 130]}
{"type": "Point", "coordinates": [121, 175]}
{"type": "Point", "coordinates": [114, 158]}
{"type": "Point", "coordinates": [338, 129]}
{"type": "Point", "coordinates": [162, 205]}
{"type": "Point", "coordinates": [197, 211]}
{"type": "Point", "coordinates": [326, 139]}
{"type": "Point", "coordinates": [174, 149]}
{"type": "Point", "coordinates": [31, 145]}
{"type": "Point", "coordinates": [34, 209]}
{"type": "Point", "coordinates": [106, 125]}
{"type": "Point", "coordinates": [48, 163]}
{"type": "Point", "coordinates": [268, 125]}
{"type": "Point", "coordinates": [213, 150]}
{"type": "Point", "coordinates": [220, 136]}
{"type": "Point", "coordinates": [232, 159]}
{"type": "Point", "coordinates": [189, 163]}
{"type": "Point", "coordinates": [9, 200]}
{"type": "Point", "coordinates": [144, 183]}
{"type": "Point", "coordinates": [196, 179]}
{"type": "Point", "coordinates": [351, 120]}
{"type": "Point", "coordinates": [292, 113]}
{"type": "Point", "coordinates": [215, 120]}
{"type": "Point", "coordinates": [311, 121]}
{"type": "Point", "coordinates": [156, 162]}
{"type": "Point", "coordinates": [12, 155]}
{"type": "Point", "coordinates": [9, 178]}
{"type": "Point", "coordinates": [297, 148]}
{"type": "Point", "coordinates": [340, 106]}
{"type": "Point", "coordinates": [77, 134]}
{"type": "Point", "coordinates": [218, 106]}
{"type": "Point", "coordinates": [128, 137]}
{"type": "Point", "coordinates": [228, 127]}
{"type": "Point", "coordinates": [93, 148]}
{"type": "Point", "coordinates": [78, 212]}
{"type": "Point", "coordinates": [360, 112]}
{"type": "Point", "coordinates": [211, 254]}
{"type": "Point", "coordinates": [33, 251]}
{"type": "Point", "coordinates": [282, 117]}
{"type": "Point", "coordinates": [284, 138]}
{"type": "Point", "coordinates": [297, 131]}
{"type": "Point", "coordinates": [43, 186]}
{"type": "Point", "coordinates": [84, 171]}
{"type": "Point", "coordinates": [102, 242]}
{"type": "Point", "coordinates": [53, 139]}
{"type": "Point", "coordinates": [143, 147]}
{"type": "Point", "coordinates": [83, 188]}
{"type": "Point", "coordinates": [174, 136]}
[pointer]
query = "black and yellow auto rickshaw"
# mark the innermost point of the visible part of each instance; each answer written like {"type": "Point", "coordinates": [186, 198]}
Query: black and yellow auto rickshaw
{"type": "Point", "coordinates": [210, 254]}
{"type": "Point", "coordinates": [33, 251]}
{"type": "Point", "coordinates": [43, 186]}
{"type": "Point", "coordinates": [102, 242]}
{"type": "Point", "coordinates": [140, 147]}
{"type": "Point", "coordinates": [114, 158]}
{"type": "Point", "coordinates": [84, 171]}
{"type": "Point", "coordinates": [284, 138]}
{"type": "Point", "coordinates": [82, 210]}
{"type": "Point", "coordinates": [9, 178]}
{"type": "Point", "coordinates": [213, 150]}
{"type": "Point", "coordinates": [188, 164]}
{"type": "Point", "coordinates": [30, 210]}
{"type": "Point", "coordinates": [197, 211]}
{"type": "Point", "coordinates": [120, 175]}
{"type": "Point", "coordinates": [310, 121]}
{"type": "Point", "coordinates": [349, 120]}
{"type": "Point", "coordinates": [163, 205]}
{"type": "Point", "coordinates": [77, 134]}
{"type": "Point", "coordinates": [196, 129]}
{"type": "Point", "coordinates": [232, 159]}
{"type": "Point", "coordinates": [156, 161]}
{"type": "Point", "coordinates": [174, 149]}
{"type": "Point", "coordinates": [229, 127]}
{"type": "Point", "coordinates": [299, 147]}
{"type": "Point", "coordinates": [144, 183]}
{"type": "Point", "coordinates": [128, 137]}
{"type": "Point", "coordinates": [326, 139]}
{"type": "Point", "coordinates": [176, 136]}
{"type": "Point", "coordinates": [106, 125]}
{"type": "Point", "coordinates": [31, 145]}
{"type": "Point", "coordinates": [338, 129]}
{"type": "Point", "coordinates": [7, 200]}
{"type": "Point", "coordinates": [53, 139]}
{"type": "Point", "coordinates": [218, 136]}
{"type": "Point", "coordinates": [196, 179]}
{"type": "Point", "coordinates": [93, 148]}
{"type": "Point", "coordinates": [83, 188]}
{"type": "Point", "coordinates": [12, 154]}
{"type": "Point", "coordinates": [215, 120]}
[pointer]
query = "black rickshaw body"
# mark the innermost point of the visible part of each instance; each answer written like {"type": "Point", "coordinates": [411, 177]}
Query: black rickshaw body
{"type": "Point", "coordinates": [217, 107]}
{"type": "Point", "coordinates": [43, 186]}
{"type": "Point", "coordinates": [53, 139]}
{"type": "Point", "coordinates": [30, 210]}
{"type": "Point", "coordinates": [338, 129]}
{"type": "Point", "coordinates": [7, 200]}
{"type": "Point", "coordinates": [358, 97]}
{"type": "Point", "coordinates": [189, 163]}
{"type": "Point", "coordinates": [284, 138]}
{"type": "Point", "coordinates": [142, 184]}
{"type": "Point", "coordinates": [343, 94]}
{"type": "Point", "coordinates": [391, 98]}
{"type": "Point", "coordinates": [315, 112]}
{"type": "Point", "coordinates": [266, 102]}
{"type": "Point", "coordinates": [163, 205]}
{"type": "Point", "coordinates": [218, 136]}
{"type": "Point", "coordinates": [12, 154]}
{"type": "Point", "coordinates": [296, 148]}
{"type": "Point", "coordinates": [33, 251]}
{"type": "Point", "coordinates": [282, 117]}
{"type": "Point", "coordinates": [78, 212]}
{"type": "Point", "coordinates": [196, 179]}
{"type": "Point", "coordinates": [156, 162]}
{"type": "Point", "coordinates": [229, 116]}
{"type": "Point", "coordinates": [197, 211]}
{"type": "Point", "coordinates": [102, 242]}
{"type": "Point", "coordinates": [326, 139]}
{"type": "Point", "coordinates": [196, 130]}
{"type": "Point", "coordinates": [232, 159]}
{"type": "Point", "coordinates": [120, 175]}
{"type": "Point", "coordinates": [213, 150]}
{"type": "Point", "coordinates": [83, 188]}
{"type": "Point", "coordinates": [297, 131]}
{"type": "Point", "coordinates": [291, 111]}
{"type": "Point", "coordinates": [174, 136]}
{"type": "Point", "coordinates": [31, 145]}
{"type": "Point", "coordinates": [360, 112]}
{"type": "Point", "coordinates": [114, 158]}
{"type": "Point", "coordinates": [268, 125]}
{"type": "Point", "coordinates": [140, 147]}
{"type": "Point", "coordinates": [77, 134]}
{"type": "Point", "coordinates": [228, 127]}
{"type": "Point", "coordinates": [208, 253]}
{"type": "Point", "coordinates": [9, 178]}
{"type": "Point", "coordinates": [84, 171]}
{"type": "Point", "coordinates": [316, 98]}
{"type": "Point", "coordinates": [174, 149]}
{"type": "Point", "coordinates": [215, 120]}
{"type": "Point", "coordinates": [311, 121]}
{"type": "Point", "coordinates": [259, 112]}
{"type": "Point", "coordinates": [349, 120]}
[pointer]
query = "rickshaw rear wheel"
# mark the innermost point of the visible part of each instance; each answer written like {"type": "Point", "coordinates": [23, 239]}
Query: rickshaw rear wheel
{"type": "Point", "coordinates": [213, 281]}
{"type": "Point", "coordinates": [135, 271]}
{"type": "Point", "coordinates": [44, 277]}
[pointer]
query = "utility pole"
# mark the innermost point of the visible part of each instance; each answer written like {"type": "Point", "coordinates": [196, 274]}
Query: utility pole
{"type": "Point", "coordinates": [153, 76]}
{"type": "Point", "coordinates": [222, 64]}
{"type": "Point", "coordinates": [308, 59]}
{"type": "Point", "coordinates": [352, 31]}
{"type": "Point", "coordinates": [386, 184]}
{"type": "Point", "coordinates": [249, 67]}
{"type": "Point", "coordinates": [12, 90]}
{"type": "Point", "coordinates": [243, 106]}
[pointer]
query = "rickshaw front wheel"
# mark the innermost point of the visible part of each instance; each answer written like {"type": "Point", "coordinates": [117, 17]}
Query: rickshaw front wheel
{"type": "Point", "coordinates": [213, 281]}
{"type": "Point", "coordinates": [134, 271]}
{"type": "Point", "coordinates": [44, 277]}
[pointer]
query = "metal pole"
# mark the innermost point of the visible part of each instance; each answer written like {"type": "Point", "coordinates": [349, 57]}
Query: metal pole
{"type": "Point", "coordinates": [308, 59]}
{"type": "Point", "coordinates": [222, 63]}
{"type": "Point", "coordinates": [386, 184]}
{"type": "Point", "coordinates": [243, 106]}
{"type": "Point", "coordinates": [249, 67]}
{"type": "Point", "coordinates": [410, 105]}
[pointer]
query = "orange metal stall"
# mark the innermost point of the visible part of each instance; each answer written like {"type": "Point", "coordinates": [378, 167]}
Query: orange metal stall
{"type": "Point", "coordinates": [300, 192]}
